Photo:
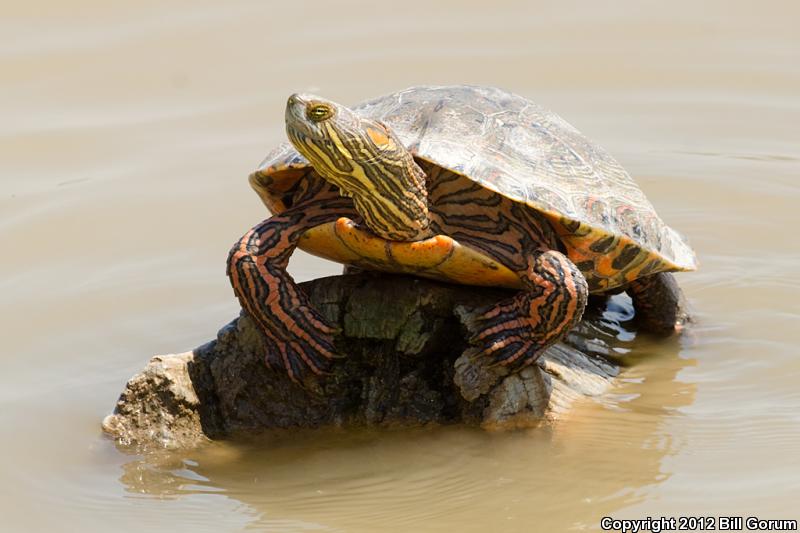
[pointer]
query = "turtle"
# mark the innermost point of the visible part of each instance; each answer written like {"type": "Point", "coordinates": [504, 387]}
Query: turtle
{"type": "Point", "coordinates": [464, 184]}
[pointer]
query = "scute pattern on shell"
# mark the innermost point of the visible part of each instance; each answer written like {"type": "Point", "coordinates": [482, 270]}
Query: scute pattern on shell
{"type": "Point", "coordinates": [527, 153]}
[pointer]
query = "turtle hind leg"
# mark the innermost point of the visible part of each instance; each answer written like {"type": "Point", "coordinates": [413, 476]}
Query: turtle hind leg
{"type": "Point", "coordinates": [513, 333]}
{"type": "Point", "coordinates": [296, 335]}
{"type": "Point", "coordinates": [659, 303]}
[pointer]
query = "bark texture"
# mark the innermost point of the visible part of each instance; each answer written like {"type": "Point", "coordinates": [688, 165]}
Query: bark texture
{"type": "Point", "coordinates": [402, 340]}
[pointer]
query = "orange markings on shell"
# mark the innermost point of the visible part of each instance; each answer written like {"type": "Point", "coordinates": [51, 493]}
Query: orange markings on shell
{"type": "Point", "coordinates": [439, 257]}
{"type": "Point", "coordinates": [360, 242]}
{"type": "Point", "coordinates": [603, 266]}
{"type": "Point", "coordinates": [323, 241]}
{"type": "Point", "coordinates": [429, 253]}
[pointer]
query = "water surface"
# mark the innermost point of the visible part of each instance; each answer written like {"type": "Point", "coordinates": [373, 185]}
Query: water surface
{"type": "Point", "coordinates": [127, 135]}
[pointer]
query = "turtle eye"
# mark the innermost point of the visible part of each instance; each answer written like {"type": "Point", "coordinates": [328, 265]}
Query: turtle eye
{"type": "Point", "coordinates": [319, 112]}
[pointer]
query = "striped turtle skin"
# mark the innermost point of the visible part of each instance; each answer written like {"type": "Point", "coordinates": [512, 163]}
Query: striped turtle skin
{"type": "Point", "coordinates": [470, 185]}
{"type": "Point", "coordinates": [520, 150]}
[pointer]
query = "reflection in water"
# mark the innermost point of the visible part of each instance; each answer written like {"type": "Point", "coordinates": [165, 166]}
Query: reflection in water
{"type": "Point", "coordinates": [410, 479]}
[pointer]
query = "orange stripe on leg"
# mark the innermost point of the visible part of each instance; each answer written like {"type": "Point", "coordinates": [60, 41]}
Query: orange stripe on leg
{"type": "Point", "coordinates": [514, 332]}
{"type": "Point", "coordinates": [295, 334]}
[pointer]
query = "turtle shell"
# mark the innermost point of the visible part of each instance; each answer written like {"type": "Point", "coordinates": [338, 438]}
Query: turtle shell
{"type": "Point", "coordinates": [528, 154]}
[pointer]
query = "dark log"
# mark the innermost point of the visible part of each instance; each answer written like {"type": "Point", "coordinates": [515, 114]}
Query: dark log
{"type": "Point", "coordinates": [402, 340]}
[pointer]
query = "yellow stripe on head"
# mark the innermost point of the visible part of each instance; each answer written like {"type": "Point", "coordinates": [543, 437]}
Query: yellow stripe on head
{"type": "Point", "coordinates": [337, 141]}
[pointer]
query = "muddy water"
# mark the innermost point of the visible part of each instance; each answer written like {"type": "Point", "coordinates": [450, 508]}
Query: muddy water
{"type": "Point", "coordinates": [127, 132]}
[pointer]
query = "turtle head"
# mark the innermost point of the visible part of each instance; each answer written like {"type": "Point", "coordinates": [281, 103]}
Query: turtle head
{"type": "Point", "coordinates": [366, 160]}
{"type": "Point", "coordinates": [314, 124]}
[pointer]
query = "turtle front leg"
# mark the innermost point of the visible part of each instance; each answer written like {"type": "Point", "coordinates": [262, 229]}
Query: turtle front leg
{"type": "Point", "coordinates": [659, 303]}
{"type": "Point", "coordinates": [297, 336]}
{"type": "Point", "coordinates": [514, 333]}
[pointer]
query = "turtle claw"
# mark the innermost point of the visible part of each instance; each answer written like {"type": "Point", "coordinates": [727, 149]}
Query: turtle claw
{"type": "Point", "coordinates": [299, 356]}
{"type": "Point", "coordinates": [306, 342]}
{"type": "Point", "coordinates": [499, 347]}
{"type": "Point", "coordinates": [498, 334]}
